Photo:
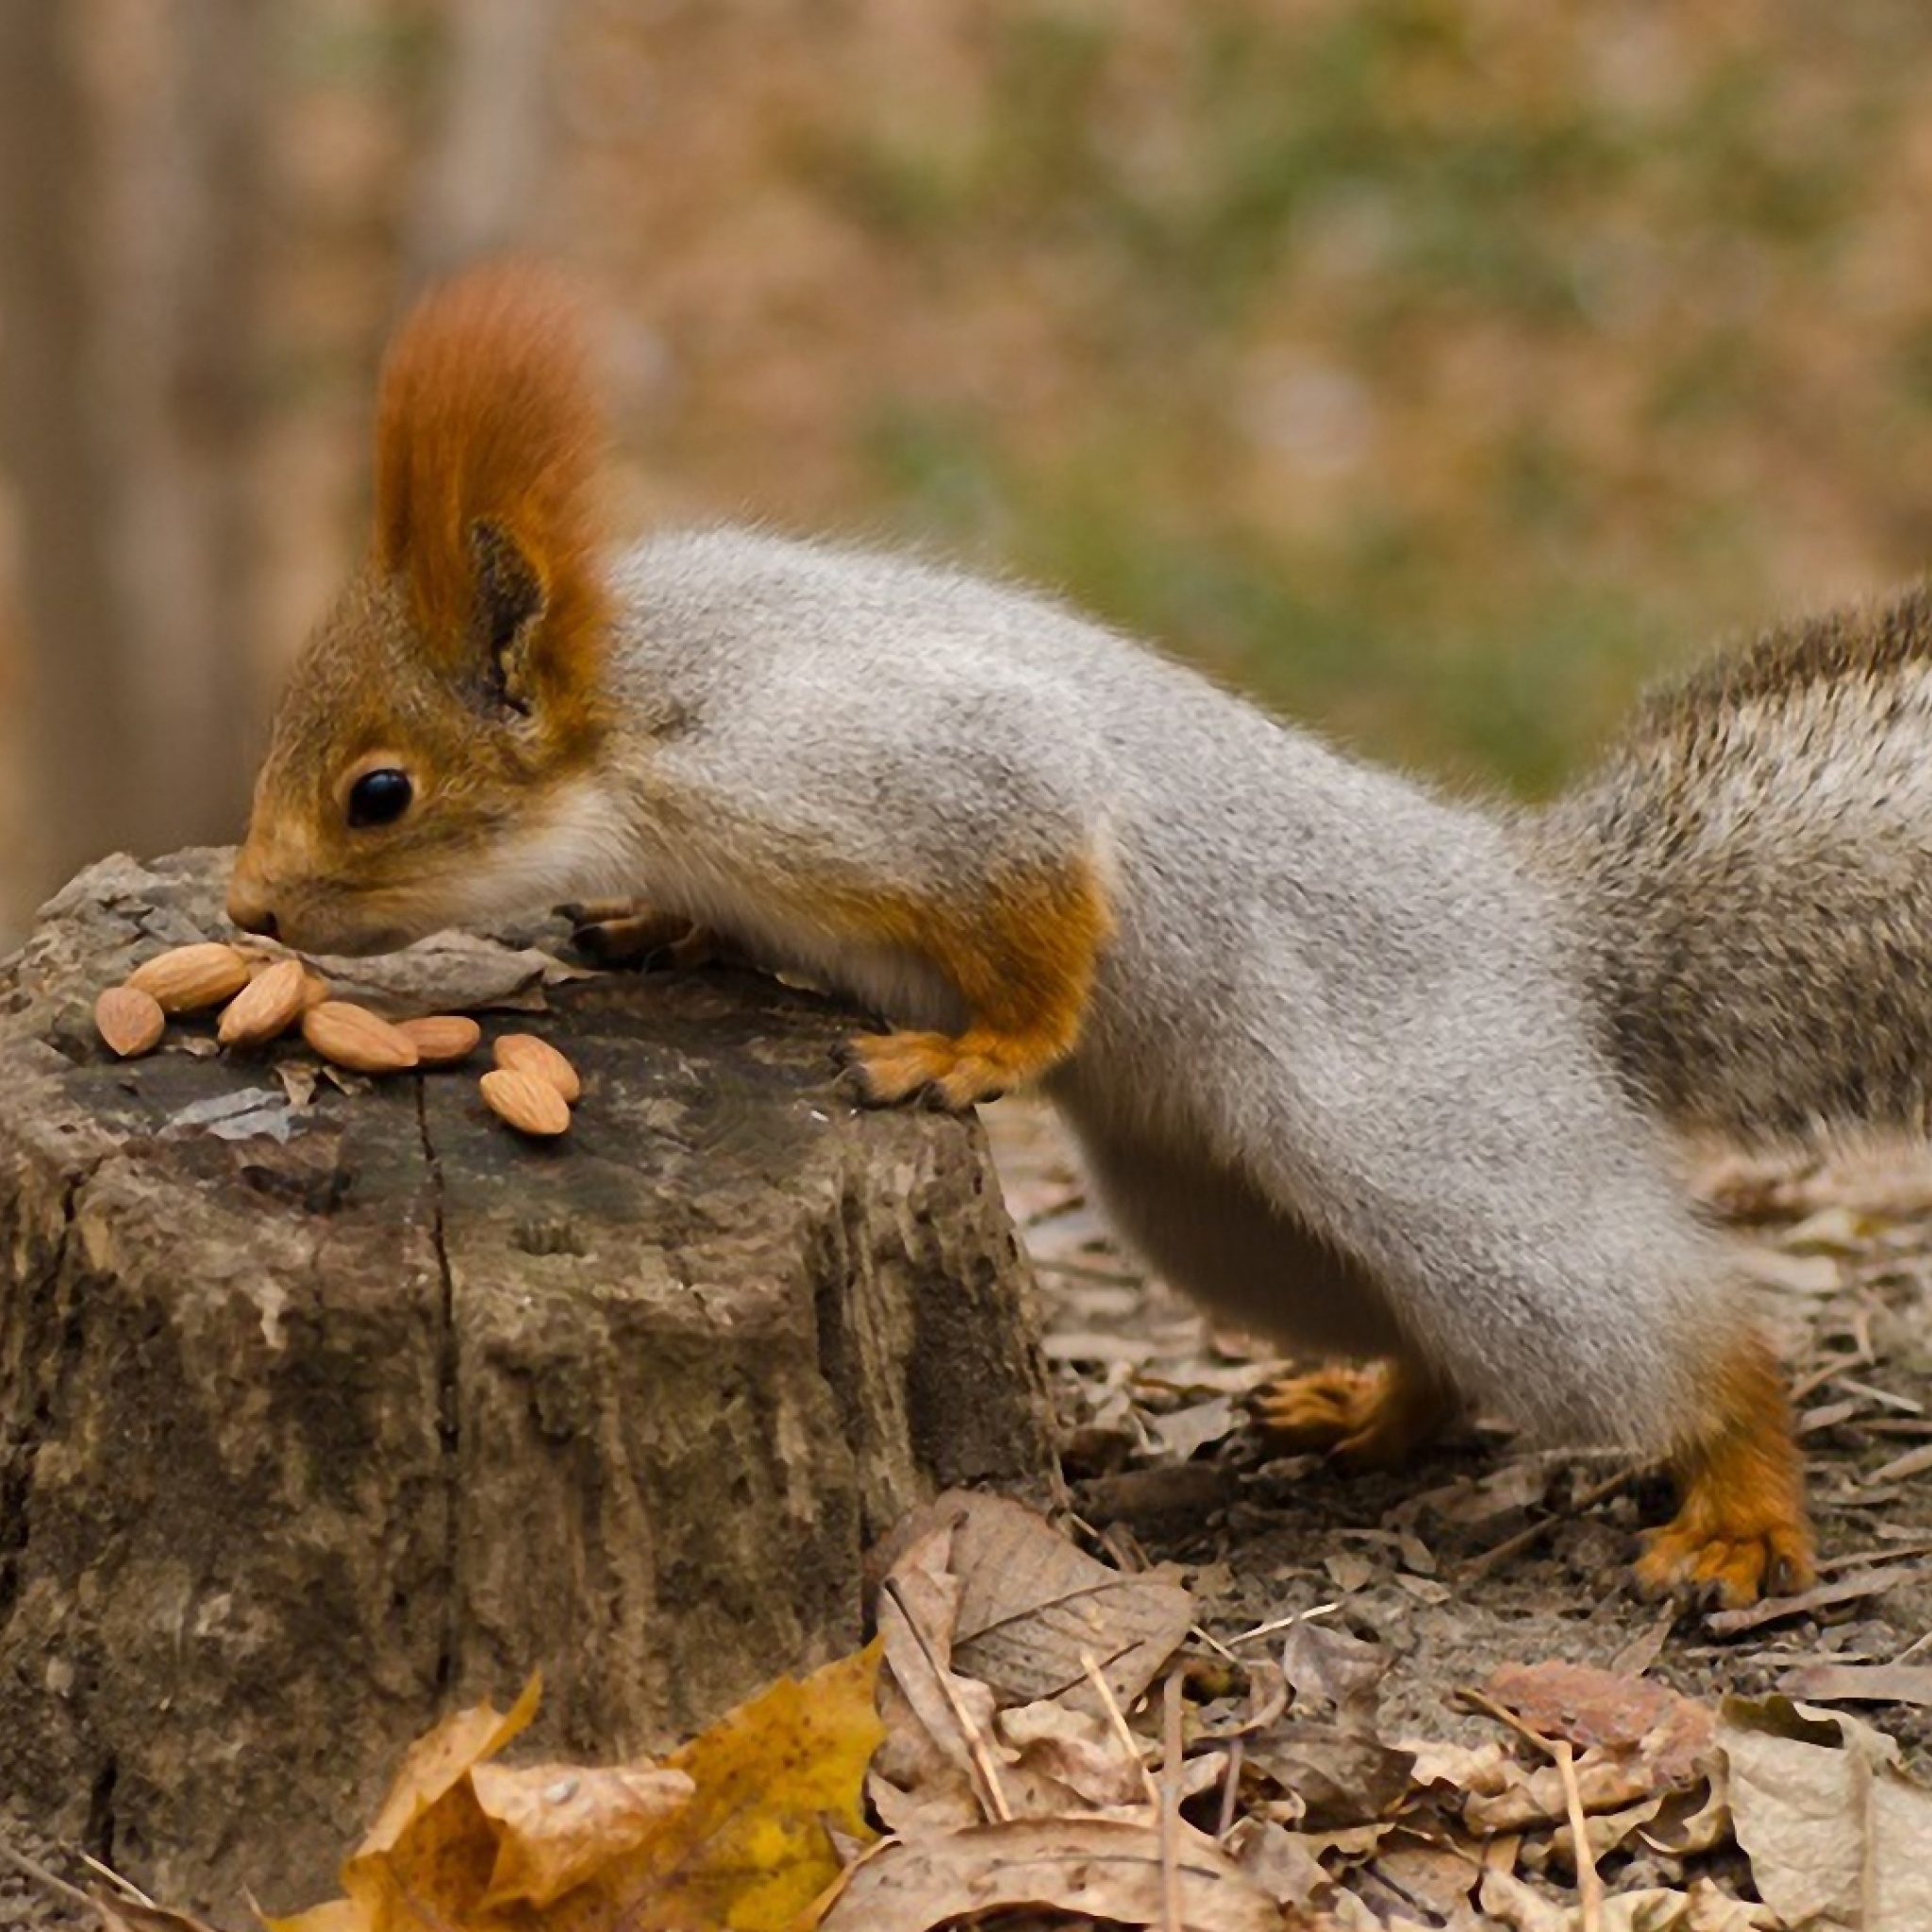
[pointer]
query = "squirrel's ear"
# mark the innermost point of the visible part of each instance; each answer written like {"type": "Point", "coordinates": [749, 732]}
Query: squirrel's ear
{"type": "Point", "coordinates": [487, 436]}
{"type": "Point", "coordinates": [510, 604]}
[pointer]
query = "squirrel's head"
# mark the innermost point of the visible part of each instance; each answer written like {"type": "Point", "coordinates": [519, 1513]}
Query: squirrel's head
{"type": "Point", "coordinates": [431, 758]}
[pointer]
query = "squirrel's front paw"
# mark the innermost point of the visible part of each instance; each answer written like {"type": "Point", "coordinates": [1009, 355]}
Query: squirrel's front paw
{"type": "Point", "coordinates": [630, 933]}
{"type": "Point", "coordinates": [1370, 1418]}
{"type": "Point", "coordinates": [884, 1069]}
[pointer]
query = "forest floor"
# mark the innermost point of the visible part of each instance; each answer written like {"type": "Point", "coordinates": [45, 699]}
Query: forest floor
{"type": "Point", "coordinates": [1483, 1556]}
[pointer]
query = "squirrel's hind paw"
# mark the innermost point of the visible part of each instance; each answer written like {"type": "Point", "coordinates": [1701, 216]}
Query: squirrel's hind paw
{"type": "Point", "coordinates": [1370, 1418]}
{"type": "Point", "coordinates": [1740, 1530]}
{"type": "Point", "coordinates": [1728, 1570]}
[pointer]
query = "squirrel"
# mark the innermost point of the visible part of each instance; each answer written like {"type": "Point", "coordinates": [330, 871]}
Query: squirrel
{"type": "Point", "coordinates": [1372, 1070]}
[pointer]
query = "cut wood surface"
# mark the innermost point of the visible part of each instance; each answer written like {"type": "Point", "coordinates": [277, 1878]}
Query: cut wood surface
{"type": "Point", "coordinates": [324, 1410]}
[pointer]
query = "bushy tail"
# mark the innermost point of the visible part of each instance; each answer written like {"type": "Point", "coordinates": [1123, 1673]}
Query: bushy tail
{"type": "Point", "coordinates": [1750, 876]}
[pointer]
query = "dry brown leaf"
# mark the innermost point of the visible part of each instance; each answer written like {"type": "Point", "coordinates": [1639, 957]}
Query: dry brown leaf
{"type": "Point", "coordinates": [1841, 1590]}
{"type": "Point", "coordinates": [1672, 1735]}
{"type": "Point", "coordinates": [1032, 1607]}
{"type": "Point", "coordinates": [1703, 1909]}
{"type": "Point", "coordinates": [131, 1915]}
{"type": "Point", "coordinates": [1828, 1682]}
{"type": "Point", "coordinates": [1279, 1861]}
{"type": "Point", "coordinates": [1332, 1667]}
{"type": "Point", "coordinates": [453, 973]}
{"type": "Point", "coordinates": [1836, 1831]}
{"type": "Point", "coordinates": [937, 1723]}
{"type": "Point", "coordinates": [1100, 1869]}
{"type": "Point", "coordinates": [1441, 1877]}
{"type": "Point", "coordinates": [1079, 1759]}
{"type": "Point", "coordinates": [1338, 1778]}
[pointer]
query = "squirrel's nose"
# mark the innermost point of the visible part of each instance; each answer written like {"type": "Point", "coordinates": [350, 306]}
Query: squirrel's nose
{"type": "Point", "coordinates": [248, 903]}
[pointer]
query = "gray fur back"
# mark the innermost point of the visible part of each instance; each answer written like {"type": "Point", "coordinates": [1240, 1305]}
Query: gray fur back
{"type": "Point", "coordinates": [1337, 1019]}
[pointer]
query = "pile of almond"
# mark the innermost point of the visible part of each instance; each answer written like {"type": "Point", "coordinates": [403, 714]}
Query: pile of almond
{"type": "Point", "coordinates": [532, 1088]}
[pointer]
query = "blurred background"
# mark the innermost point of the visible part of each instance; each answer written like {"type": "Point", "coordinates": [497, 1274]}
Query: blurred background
{"type": "Point", "coordinates": [1437, 369]}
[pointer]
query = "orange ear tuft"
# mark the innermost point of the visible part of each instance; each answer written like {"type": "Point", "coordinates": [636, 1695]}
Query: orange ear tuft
{"type": "Point", "coordinates": [487, 414]}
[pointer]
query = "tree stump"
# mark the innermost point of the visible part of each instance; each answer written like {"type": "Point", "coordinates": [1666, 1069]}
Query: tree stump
{"type": "Point", "coordinates": [316, 1421]}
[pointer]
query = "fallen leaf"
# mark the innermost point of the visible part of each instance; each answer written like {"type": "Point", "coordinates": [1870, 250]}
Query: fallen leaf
{"type": "Point", "coordinates": [735, 1834]}
{"type": "Point", "coordinates": [928, 1774]}
{"type": "Point", "coordinates": [1032, 1607]}
{"type": "Point", "coordinates": [1278, 1860]}
{"type": "Point", "coordinates": [1338, 1776]}
{"type": "Point", "coordinates": [775, 1779]}
{"type": "Point", "coordinates": [1837, 1833]}
{"type": "Point", "coordinates": [1773, 1609]}
{"type": "Point", "coordinates": [559, 1824]}
{"type": "Point", "coordinates": [1183, 1431]}
{"type": "Point", "coordinates": [130, 1915]}
{"type": "Point", "coordinates": [1098, 1867]}
{"type": "Point", "coordinates": [452, 972]}
{"type": "Point", "coordinates": [1702, 1909]}
{"type": "Point", "coordinates": [1082, 1756]}
{"type": "Point", "coordinates": [1329, 1666]}
{"type": "Point", "coordinates": [1671, 1735]}
{"type": "Point", "coordinates": [1836, 1683]}
{"type": "Point", "coordinates": [429, 1840]}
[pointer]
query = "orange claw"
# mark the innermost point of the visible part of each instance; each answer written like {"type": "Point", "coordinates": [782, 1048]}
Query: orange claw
{"type": "Point", "coordinates": [1741, 1531]}
{"type": "Point", "coordinates": [1373, 1417]}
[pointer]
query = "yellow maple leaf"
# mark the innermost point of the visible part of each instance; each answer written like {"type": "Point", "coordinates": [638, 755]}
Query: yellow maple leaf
{"type": "Point", "coordinates": [753, 1849]}
{"type": "Point", "coordinates": [430, 1856]}
{"type": "Point", "coordinates": [734, 1832]}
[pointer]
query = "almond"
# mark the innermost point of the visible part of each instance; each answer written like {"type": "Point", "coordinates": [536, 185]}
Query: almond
{"type": "Point", "coordinates": [130, 1021]}
{"type": "Point", "coordinates": [442, 1039]}
{"type": "Point", "coordinates": [353, 1037]}
{"type": "Point", "coordinates": [526, 1101]}
{"type": "Point", "coordinates": [267, 1005]}
{"type": "Point", "coordinates": [187, 978]}
{"type": "Point", "coordinates": [524, 1053]}
{"type": "Point", "coordinates": [315, 989]}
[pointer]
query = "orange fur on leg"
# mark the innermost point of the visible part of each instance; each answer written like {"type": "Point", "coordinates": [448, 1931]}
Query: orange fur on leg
{"type": "Point", "coordinates": [1022, 958]}
{"type": "Point", "coordinates": [1373, 1417]}
{"type": "Point", "coordinates": [1740, 1530]}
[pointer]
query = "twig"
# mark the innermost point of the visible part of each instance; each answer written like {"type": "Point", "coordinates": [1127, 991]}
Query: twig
{"type": "Point", "coordinates": [1085, 1271]}
{"type": "Point", "coordinates": [1213, 1644]}
{"type": "Point", "coordinates": [1829, 1370]}
{"type": "Point", "coordinates": [1118, 1719]}
{"type": "Point", "coordinates": [1231, 1787]}
{"type": "Point", "coordinates": [1478, 1567]}
{"type": "Point", "coordinates": [1261, 1630]}
{"type": "Point", "coordinates": [1171, 1803]}
{"type": "Point", "coordinates": [1590, 1887]}
{"type": "Point", "coordinates": [125, 1887]}
{"type": "Point", "coordinates": [32, 1868]}
{"type": "Point", "coordinates": [975, 1743]}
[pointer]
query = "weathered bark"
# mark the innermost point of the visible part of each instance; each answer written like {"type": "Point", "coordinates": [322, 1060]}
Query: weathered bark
{"type": "Point", "coordinates": [304, 1439]}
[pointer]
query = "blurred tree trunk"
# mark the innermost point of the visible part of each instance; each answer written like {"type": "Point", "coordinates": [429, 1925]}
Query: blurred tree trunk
{"type": "Point", "coordinates": [135, 197]}
{"type": "Point", "coordinates": [486, 157]}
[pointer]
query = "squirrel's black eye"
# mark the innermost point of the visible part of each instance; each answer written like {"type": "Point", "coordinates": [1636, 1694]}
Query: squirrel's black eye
{"type": "Point", "coordinates": [379, 797]}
